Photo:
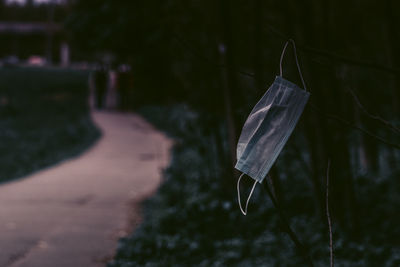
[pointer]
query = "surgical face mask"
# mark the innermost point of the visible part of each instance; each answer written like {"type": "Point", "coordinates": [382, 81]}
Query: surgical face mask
{"type": "Point", "coordinates": [268, 127]}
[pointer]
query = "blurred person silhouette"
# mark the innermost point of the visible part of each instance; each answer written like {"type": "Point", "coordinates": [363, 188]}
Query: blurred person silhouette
{"type": "Point", "coordinates": [100, 85]}
{"type": "Point", "coordinates": [124, 86]}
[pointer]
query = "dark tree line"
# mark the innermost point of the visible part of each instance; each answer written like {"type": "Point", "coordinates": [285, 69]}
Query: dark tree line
{"type": "Point", "coordinates": [32, 12]}
{"type": "Point", "coordinates": [220, 57]}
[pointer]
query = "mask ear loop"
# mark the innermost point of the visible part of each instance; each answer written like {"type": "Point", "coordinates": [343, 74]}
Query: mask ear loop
{"type": "Point", "coordinates": [297, 61]}
{"type": "Point", "coordinates": [248, 199]}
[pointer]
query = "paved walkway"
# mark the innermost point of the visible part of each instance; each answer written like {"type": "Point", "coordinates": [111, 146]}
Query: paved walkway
{"type": "Point", "coordinates": [73, 214]}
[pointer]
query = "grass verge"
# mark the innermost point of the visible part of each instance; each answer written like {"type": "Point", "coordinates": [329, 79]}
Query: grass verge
{"type": "Point", "coordinates": [193, 221]}
{"type": "Point", "coordinates": [44, 118]}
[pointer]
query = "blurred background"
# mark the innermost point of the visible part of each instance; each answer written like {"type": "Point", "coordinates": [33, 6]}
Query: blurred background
{"type": "Point", "coordinates": [195, 69]}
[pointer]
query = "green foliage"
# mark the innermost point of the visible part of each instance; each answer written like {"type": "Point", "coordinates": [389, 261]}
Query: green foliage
{"type": "Point", "coordinates": [349, 58]}
{"type": "Point", "coordinates": [44, 118]}
{"type": "Point", "coordinates": [192, 221]}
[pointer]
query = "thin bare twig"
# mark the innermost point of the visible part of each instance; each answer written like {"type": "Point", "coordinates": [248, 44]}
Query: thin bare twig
{"type": "Point", "coordinates": [335, 57]}
{"type": "Point", "coordinates": [286, 226]}
{"type": "Point", "coordinates": [372, 116]}
{"type": "Point", "coordinates": [329, 216]}
{"type": "Point", "coordinates": [351, 125]}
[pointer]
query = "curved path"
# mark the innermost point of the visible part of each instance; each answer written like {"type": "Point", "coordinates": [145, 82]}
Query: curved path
{"type": "Point", "coordinates": [73, 214]}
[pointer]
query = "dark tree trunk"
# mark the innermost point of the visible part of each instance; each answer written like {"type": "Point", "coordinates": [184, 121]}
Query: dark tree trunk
{"type": "Point", "coordinates": [231, 92]}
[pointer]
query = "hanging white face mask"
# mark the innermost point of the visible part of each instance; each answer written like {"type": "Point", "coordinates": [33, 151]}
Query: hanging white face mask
{"type": "Point", "coordinates": [269, 126]}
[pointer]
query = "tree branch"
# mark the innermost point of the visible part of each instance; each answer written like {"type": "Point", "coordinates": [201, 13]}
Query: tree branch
{"type": "Point", "coordinates": [199, 55]}
{"type": "Point", "coordinates": [335, 57]}
{"type": "Point", "coordinates": [299, 246]}
{"type": "Point", "coordinates": [347, 123]}
{"type": "Point", "coordinates": [372, 116]}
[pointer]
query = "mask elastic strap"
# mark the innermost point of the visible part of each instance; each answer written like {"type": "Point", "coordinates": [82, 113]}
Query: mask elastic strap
{"type": "Point", "coordinates": [297, 61]}
{"type": "Point", "coordinates": [248, 199]}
